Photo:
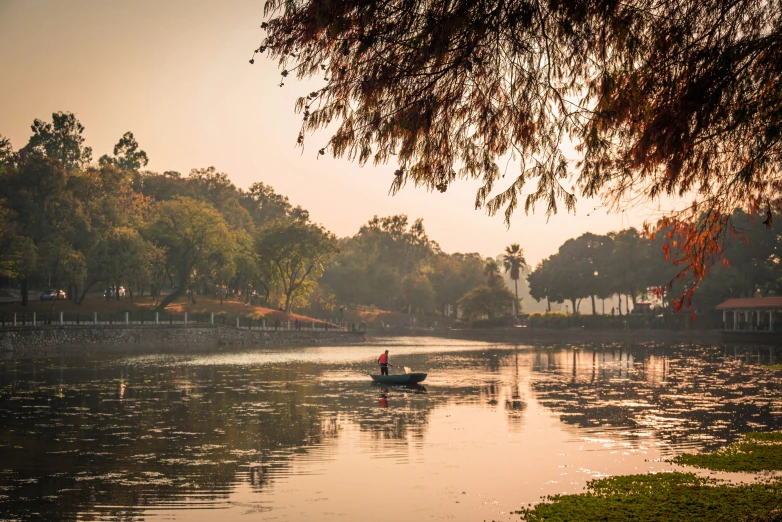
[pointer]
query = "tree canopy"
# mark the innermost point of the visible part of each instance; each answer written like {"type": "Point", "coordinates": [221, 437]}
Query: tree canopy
{"type": "Point", "coordinates": [672, 98]}
{"type": "Point", "coordinates": [67, 222]}
{"type": "Point", "coordinates": [76, 226]}
{"type": "Point", "coordinates": [296, 251]}
{"type": "Point", "coordinates": [625, 264]}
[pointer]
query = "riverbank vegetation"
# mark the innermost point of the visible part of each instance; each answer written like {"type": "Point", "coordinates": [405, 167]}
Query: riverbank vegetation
{"type": "Point", "coordinates": [662, 497]}
{"type": "Point", "coordinates": [156, 239]}
{"type": "Point", "coordinates": [626, 103]}
{"type": "Point", "coordinates": [681, 496]}
{"type": "Point", "coordinates": [625, 264]}
{"type": "Point", "coordinates": [755, 452]}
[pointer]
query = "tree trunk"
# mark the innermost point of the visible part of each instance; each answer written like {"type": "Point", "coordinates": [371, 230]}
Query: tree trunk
{"type": "Point", "coordinates": [25, 292]}
{"type": "Point", "coordinates": [116, 292]}
{"type": "Point", "coordinates": [620, 304]}
{"type": "Point", "coordinates": [86, 289]}
{"type": "Point", "coordinates": [627, 305]}
{"type": "Point", "coordinates": [175, 294]}
{"type": "Point", "coordinates": [548, 304]}
{"type": "Point", "coordinates": [594, 310]}
{"type": "Point", "coordinates": [130, 292]}
{"type": "Point", "coordinates": [516, 287]}
{"type": "Point", "coordinates": [573, 302]}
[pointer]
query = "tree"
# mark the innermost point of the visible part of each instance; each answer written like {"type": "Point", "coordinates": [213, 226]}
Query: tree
{"type": "Point", "coordinates": [193, 234]}
{"type": "Point", "coordinates": [543, 283]}
{"type": "Point", "coordinates": [39, 192]}
{"type": "Point", "coordinates": [485, 300]}
{"type": "Point", "coordinates": [60, 262]}
{"type": "Point", "coordinates": [418, 292]}
{"type": "Point", "coordinates": [627, 270]}
{"type": "Point", "coordinates": [668, 98]}
{"type": "Point", "coordinates": [581, 259]}
{"type": "Point", "coordinates": [127, 155]}
{"type": "Point", "coordinates": [513, 261]}
{"type": "Point", "coordinates": [118, 256]}
{"type": "Point", "coordinates": [373, 264]}
{"type": "Point", "coordinates": [61, 140]}
{"type": "Point", "coordinates": [17, 253]}
{"type": "Point", "coordinates": [297, 251]}
{"type": "Point", "coordinates": [6, 150]}
{"type": "Point", "coordinates": [446, 281]}
{"type": "Point", "coordinates": [491, 271]}
{"type": "Point", "coordinates": [266, 205]}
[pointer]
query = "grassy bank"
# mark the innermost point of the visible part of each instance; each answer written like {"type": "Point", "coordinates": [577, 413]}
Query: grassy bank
{"type": "Point", "coordinates": [680, 496]}
{"type": "Point", "coordinates": [204, 305]}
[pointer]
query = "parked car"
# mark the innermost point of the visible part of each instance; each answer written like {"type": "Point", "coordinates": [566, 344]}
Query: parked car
{"type": "Point", "coordinates": [110, 292]}
{"type": "Point", "coordinates": [51, 295]}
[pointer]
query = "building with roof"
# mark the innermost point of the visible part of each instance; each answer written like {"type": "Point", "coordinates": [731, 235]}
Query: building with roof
{"type": "Point", "coordinates": [752, 314]}
{"type": "Point", "coordinates": [752, 319]}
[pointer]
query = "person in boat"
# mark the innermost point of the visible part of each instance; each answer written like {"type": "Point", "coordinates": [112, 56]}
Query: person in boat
{"type": "Point", "coordinates": [383, 362]}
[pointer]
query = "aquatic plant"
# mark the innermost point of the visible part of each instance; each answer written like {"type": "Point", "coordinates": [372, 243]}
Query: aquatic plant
{"type": "Point", "coordinates": [754, 452]}
{"type": "Point", "coordinates": [661, 497]}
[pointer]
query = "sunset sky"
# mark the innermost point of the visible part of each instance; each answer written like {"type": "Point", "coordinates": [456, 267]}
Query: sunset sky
{"type": "Point", "coordinates": [176, 74]}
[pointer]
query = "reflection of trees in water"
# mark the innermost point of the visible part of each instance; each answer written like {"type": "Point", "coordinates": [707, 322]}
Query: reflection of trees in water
{"type": "Point", "coordinates": [97, 434]}
{"type": "Point", "coordinates": [685, 395]}
{"type": "Point", "coordinates": [131, 437]}
{"type": "Point", "coordinates": [515, 405]}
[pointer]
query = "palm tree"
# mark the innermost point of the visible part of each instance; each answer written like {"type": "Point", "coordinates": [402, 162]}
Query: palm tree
{"type": "Point", "coordinates": [514, 262]}
{"type": "Point", "coordinates": [491, 271]}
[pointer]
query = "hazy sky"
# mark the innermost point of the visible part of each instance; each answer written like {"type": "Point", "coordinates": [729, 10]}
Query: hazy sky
{"type": "Point", "coordinates": [176, 74]}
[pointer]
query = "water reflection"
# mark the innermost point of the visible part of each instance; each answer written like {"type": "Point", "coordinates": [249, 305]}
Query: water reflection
{"type": "Point", "coordinates": [687, 396]}
{"type": "Point", "coordinates": [257, 432]}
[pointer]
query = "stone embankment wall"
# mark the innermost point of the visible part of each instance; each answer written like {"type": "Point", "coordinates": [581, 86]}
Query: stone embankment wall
{"type": "Point", "coordinates": [573, 335]}
{"type": "Point", "coordinates": [50, 341]}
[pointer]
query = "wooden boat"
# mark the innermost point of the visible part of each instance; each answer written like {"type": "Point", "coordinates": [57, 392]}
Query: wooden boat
{"type": "Point", "coordinates": [405, 378]}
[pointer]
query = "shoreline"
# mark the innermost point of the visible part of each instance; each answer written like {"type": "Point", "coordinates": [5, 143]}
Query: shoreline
{"type": "Point", "coordinates": [23, 342]}
{"type": "Point", "coordinates": [73, 340]}
{"type": "Point", "coordinates": [538, 335]}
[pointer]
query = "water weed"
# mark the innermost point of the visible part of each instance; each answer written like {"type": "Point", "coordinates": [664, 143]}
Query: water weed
{"type": "Point", "coordinates": [755, 452]}
{"type": "Point", "coordinates": [661, 497]}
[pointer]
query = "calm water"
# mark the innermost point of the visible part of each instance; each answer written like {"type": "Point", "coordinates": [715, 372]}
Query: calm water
{"type": "Point", "coordinates": [300, 434]}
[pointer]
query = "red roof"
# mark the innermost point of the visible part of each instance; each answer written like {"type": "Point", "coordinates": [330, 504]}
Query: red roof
{"type": "Point", "coordinates": [751, 302]}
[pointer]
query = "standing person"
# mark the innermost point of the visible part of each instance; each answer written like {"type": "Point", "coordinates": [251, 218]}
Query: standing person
{"type": "Point", "coordinates": [383, 362]}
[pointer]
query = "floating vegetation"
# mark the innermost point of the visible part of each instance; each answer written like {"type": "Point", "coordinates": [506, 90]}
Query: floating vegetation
{"type": "Point", "coordinates": [662, 497]}
{"type": "Point", "coordinates": [755, 452]}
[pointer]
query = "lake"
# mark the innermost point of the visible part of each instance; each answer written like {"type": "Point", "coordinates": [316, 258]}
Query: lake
{"type": "Point", "coordinates": [302, 434]}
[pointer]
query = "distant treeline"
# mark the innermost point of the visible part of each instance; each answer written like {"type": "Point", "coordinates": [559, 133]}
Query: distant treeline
{"type": "Point", "coordinates": [625, 264]}
{"type": "Point", "coordinates": [69, 222]}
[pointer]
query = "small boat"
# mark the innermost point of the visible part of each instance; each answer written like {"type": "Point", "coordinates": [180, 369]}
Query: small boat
{"type": "Point", "coordinates": [405, 378]}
